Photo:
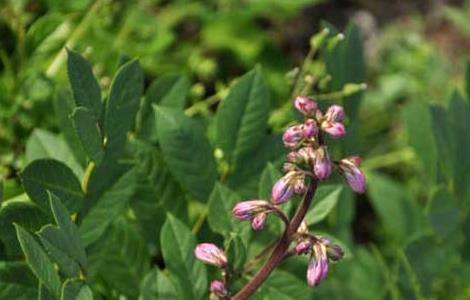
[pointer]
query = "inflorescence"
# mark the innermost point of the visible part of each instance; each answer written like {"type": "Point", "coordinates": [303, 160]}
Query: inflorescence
{"type": "Point", "coordinates": [308, 161]}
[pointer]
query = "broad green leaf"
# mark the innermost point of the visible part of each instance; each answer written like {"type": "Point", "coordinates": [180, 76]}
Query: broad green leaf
{"type": "Point", "coordinates": [444, 139]}
{"type": "Point", "coordinates": [75, 289]}
{"type": "Point", "coordinates": [187, 152]}
{"type": "Point", "coordinates": [26, 214]}
{"type": "Point", "coordinates": [63, 108]}
{"type": "Point", "coordinates": [418, 120]}
{"type": "Point", "coordinates": [17, 292]}
{"type": "Point", "coordinates": [55, 243]}
{"type": "Point", "coordinates": [120, 258]}
{"type": "Point", "coordinates": [122, 105]}
{"type": "Point", "coordinates": [108, 208]}
{"type": "Point", "coordinates": [284, 286]}
{"type": "Point", "coordinates": [236, 252]}
{"type": "Point", "coordinates": [38, 261]}
{"type": "Point", "coordinates": [241, 120]}
{"type": "Point", "coordinates": [167, 90]}
{"type": "Point", "coordinates": [85, 87]}
{"type": "Point", "coordinates": [459, 116]}
{"type": "Point", "coordinates": [220, 205]}
{"type": "Point", "coordinates": [400, 215]}
{"type": "Point", "coordinates": [48, 174]}
{"type": "Point", "coordinates": [44, 293]}
{"type": "Point", "coordinates": [157, 193]}
{"type": "Point", "coordinates": [16, 281]}
{"type": "Point", "coordinates": [325, 200]}
{"type": "Point", "coordinates": [188, 275]}
{"type": "Point", "coordinates": [43, 144]}
{"type": "Point", "coordinates": [443, 213]}
{"type": "Point", "coordinates": [269, 177]}
{"type": "Point", "coordinates": [41, 29]}
{"type": "Point", "coordinates": [89, 133]}
{"type": "Point", "coordinates": [467, 80]}
{"type": "Point", "coordinates": [156, 285]}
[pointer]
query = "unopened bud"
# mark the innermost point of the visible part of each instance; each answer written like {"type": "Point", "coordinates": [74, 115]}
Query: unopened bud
{"type": "Point", "coordinates": [293, 135]}
{"type": "Point", "coordinates": [283, 189]}
{"type": "Point", "coordinates": [258, 221]}
{"type": "Point", "coordinates": [317, 41]}
{"type": "Point", "coordinates": [218, 289]}
{"type": "Point", "coordinates": [303, 228]}
{"type": "Point", "coordinates": [335, 113]}
{"type": "Point", "coordinates": [354, 176]}
{"type": "Point", "coordinates": [299, 184]}
{"type": "Point", "coordinates": [335, 129]}
{"type": "Point", "coordinates": [246, 210]}
{"type": "Point", "coordinates": [352, 88]}
{"type": "Point", "coordinates": [305, 105]}
{"type": "Point", "coordinates": [317, 266]}
{"type": "Point", "coordinates": [322, 166]}
{"type": "Point", "coordinates": [210, 254]}
{"type": "Point", "coordinates": [310, 128]}
{"type": "Point", "coordinates": [303, 246]}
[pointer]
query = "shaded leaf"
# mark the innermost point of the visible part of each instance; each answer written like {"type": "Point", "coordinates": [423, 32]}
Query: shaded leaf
{"type": "Point", "coordinates": [156, 285]}
{"type": "Point", "coordinates": [220, 205]}
{"type": "Point", "coordinates": [89, 133]}
{"type": "Point", "coordinates": [324, 202]}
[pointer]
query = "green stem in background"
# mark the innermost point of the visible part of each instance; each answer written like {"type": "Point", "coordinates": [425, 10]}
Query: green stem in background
{"type": "Point", "coordinates": [411, 274]}
{"type": "Point", "coordinates": [202, 106]}
{"type": "Point", "coordinates": [300, 77]}
{"type": "Point", "coordinates": [388, 159]}
{"type": "Point", "coordinates": [390, 281]}
{"type": "Point", "coordinates": [76, 35]}
{"type": "Point", "coordinates": [281, 248]}
{"type": "Point", "coordinates": [86, 177]}
{"type": "Point", "coordinates": [200, 221]}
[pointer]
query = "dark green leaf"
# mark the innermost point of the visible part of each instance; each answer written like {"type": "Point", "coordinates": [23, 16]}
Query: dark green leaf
{"type": "Point", "coordinates": [325, 200]}
{"type": "Point", "coordinates": [178, 244]}
{"type": "Point", "coordinates": [16, 281]}
{"type": "Point", "coordinates": [236, 252]}
{"type": "Point", "coordinates": [122, 105]}
{"type": "Point", "coordinates": [48, 174]}
{"type": "Point", "coordinates": [156, 285]}
{"type": "Point", "coordinates": [242, 117]}
{"type": "Point", "coordinates": [187, 152]}
{"type": "Point", "coordinates": [89, 133]}
{"type": "Point", "coordinates": [38, 261]}
{"type": "Point", "coordinates": [75, 289]}
{"type": "Point", "coordinates": [85, 87]}
{"type": "Point", "coordinates": [270, 175]}
{"type": "Point", "coordinates": [285, 286]}
{"type": "Point", "coordinates": [443, 213]}
{"type": "Point", "coordinates": [221, 202]}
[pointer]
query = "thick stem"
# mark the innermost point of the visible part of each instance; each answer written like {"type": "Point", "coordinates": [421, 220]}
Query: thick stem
{"type": "Point", "coordinates": [281, 248]}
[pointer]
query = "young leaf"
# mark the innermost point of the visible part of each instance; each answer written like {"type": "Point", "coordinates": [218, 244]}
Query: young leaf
{"type": "Point", "coordinates": [86, 90]}
{"type": "Point", "coordinates": [241, 119]}
{"type": "Point", "coordinates": [187, 152]}
{"type": "Point", "coordinates": [178, 244]}
{"type": "Point", "coordinates": [221, 202]}
{"type": "Point", "coordinates": [122, 105]}
{"type": "Point", "coordinates": [89, 133]}
{"type": "Point", "coordinates": [48, 174]}
{"type": "Point", "coordinates": [38, 261]}
{"type": "Point", "coordinates": [325, 200]}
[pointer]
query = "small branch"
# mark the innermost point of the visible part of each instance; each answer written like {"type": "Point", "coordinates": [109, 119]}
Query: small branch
{"type": "Point", "coordinates": [281, 248]}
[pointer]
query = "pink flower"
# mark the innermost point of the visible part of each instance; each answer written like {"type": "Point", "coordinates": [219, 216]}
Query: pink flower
{"type": "Point", "coordinates": [210, 254]}
{"type": "Point", "coordinates": [283, 189]}
{"type": "Point", "coordinates": [310, 128]}
{"type": "Point", "coordinates": [305, 105]}
{"type": "Point", "coordinates": [247, 210]}
{"type": "Point", "coordinates": [317, 266]}
{"type": "Point", "coordinates": [335, 129]}
{"type": "Point", "coordinates": [303, 247]}
{"type": "Point", "coordinates": [218, 288]}
{"type": "Point", "coordinates": [293, 136]}
{"type": "Point", "coordinates": [335, 113]}
{"type": "Point", "coordinates": [354, 176]}
{"type": "Point", "coordinates": [258, 221]}
{"type": "Point", "coordinates": [322, 166]}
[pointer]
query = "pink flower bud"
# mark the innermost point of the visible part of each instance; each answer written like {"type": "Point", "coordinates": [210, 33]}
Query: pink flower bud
{"type": "Point", "coordinates": [293, 157]}
{"type": "Point", "coordinates": [353, 175]}
{"type": "Point", "coordinates": [218, 288]}
{"type": "Point", "coordinates": [258, 221]}
{"type": "Point", "coordinates": [305, 105]}
{"type": "Point", "coordinates": [306, 155]}
{"type": "Point", "coordinates": [317, 266]}
{"type": "Point", "coordinates": [288, 166]}
{"type": "Point", "coordinates": [246, 210]}
{"type": "Point", "coordinates": [210, 254]}
{"type": "Point", "coordinates": [299, 184]}
{"type": "Point", "coordinates": [322, 165]}
{"type": "Point", "coordinates": [333, 252]}
{"type": "Point", "coordinates": [310, 128]}
{"type": "Point", "coordinates": [335, 113]}
{"type": "Point", "coordinates": [293, 135]}
{"type": "Point", "coordinates": [283, 189]}
{"type": "Point", "coordinates": [303, 247]}
{"type": "Point", "coordinates": [335, 129]}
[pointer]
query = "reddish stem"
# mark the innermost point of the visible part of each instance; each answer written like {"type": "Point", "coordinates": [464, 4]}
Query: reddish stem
{"type": "Point", "coordinates": [281, 248]}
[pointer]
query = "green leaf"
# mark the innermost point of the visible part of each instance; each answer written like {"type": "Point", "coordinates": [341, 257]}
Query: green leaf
{"type": "Point", "coordinates": [43, 144]}
{"type": "Point", "coordinates": [48, 174]}
{"type": "Point", "coordinates": [38, 261]}
{"type": "Point", "coordinates": [167, 90]}
{"type": "Point", "coordinates": [85, 87]}
{"type": "Point", "coordinates": [156, 285]}
{"type": "Point", "coordinates": [236, 252]}
{"type": "Point", "coordinates": [109, 207]}
{"type": "Point", "coordinates": [178, 244]}
{"type": "Point", "coordinates": [325, 200]}
{"type": "Point", "coordinates": [16, 281]}
{"type": "Point", "coordinates": [123, 102]}
{"type": "Point", "coordinates": [26, 214]}
{"type": "Point", "coordinates": [467, 80]}
{"type": "Point", "coordinates": [282, 285]}
{"type": "Point", "coordinates": [459, 116]}
{"type": "Point", "coordinates": [443, 213]}
{"type": "Point", "coordinates": [77, 289]}
{"type": "Point", "coordinates": [187, 152]}
{"type": "Point", "coordinates": [220, 205]}
{"type": "Point", "coordinates": [418, 120]}
{"type": "Point", "coordinates": [444, 139]}
{"type": "Point", "coordinates": [269, 177]}
{"type": "Point", "coordinates": [120, 259]}
{"type": "Point", "coordinates": [89, 133]}
{"type": "Point", "coordinates": [241, 120]}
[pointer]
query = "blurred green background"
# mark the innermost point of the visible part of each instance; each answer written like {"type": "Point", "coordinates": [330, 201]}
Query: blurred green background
{"type": "Point", "coordinates": [409, 236]}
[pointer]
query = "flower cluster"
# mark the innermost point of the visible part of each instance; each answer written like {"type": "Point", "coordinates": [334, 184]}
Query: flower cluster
{"type": "Point", "coordinates": [307, 162]}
